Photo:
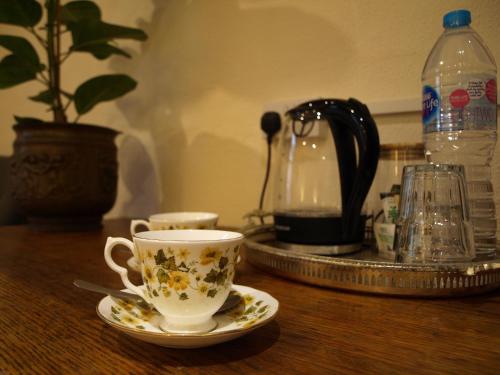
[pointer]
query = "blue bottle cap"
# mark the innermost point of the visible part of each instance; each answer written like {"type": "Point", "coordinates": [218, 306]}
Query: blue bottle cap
{"type": "Point", "coordinates": [456, 18]}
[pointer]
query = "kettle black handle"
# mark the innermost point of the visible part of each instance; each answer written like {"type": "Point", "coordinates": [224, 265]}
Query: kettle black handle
{"type": "Point", "coordinates": [348, 119]}
{"type": "Point", "coordinates": [368, 162]}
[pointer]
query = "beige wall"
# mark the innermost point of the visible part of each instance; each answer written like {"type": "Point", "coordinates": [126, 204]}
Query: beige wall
{"type": "Point", "coordinates": [191, 130]}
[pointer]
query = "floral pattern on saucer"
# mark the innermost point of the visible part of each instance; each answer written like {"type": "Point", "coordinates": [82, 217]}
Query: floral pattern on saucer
{"type": "Point", "coordinates": [130, 314]}
{"type": "Point", "coordinates": [256, 309]}
{"type": "Point", "coordinates": [248, 313]}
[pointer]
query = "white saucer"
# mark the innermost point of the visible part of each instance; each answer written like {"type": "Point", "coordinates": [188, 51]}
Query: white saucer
{"type": "Point", "coordinates": [257, 309]}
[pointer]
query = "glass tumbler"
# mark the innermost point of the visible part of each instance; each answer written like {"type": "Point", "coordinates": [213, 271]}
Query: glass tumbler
{"type": "Point", "coordinates": [434, 224]}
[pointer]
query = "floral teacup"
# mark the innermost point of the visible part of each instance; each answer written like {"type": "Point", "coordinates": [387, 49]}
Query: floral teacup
{"type": "Point", "coordinates": [187, 274]}
{"type": "Point", "coordinates": [177, 220]}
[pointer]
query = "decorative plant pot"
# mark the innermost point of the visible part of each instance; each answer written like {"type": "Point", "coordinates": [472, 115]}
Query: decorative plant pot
{"type": "Point", "coordinates": [64, 176]}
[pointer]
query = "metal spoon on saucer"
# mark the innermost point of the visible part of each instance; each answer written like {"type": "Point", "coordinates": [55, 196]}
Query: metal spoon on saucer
{"type": "Point", "coordinates": [231, 301]}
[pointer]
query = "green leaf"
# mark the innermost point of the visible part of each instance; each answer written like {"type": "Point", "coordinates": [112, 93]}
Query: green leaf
{"type": "Point", "coordinates": [160, 257]}
{"type": "Point", "coordinates": [250, 310]}
{"type": "Point", "coordinates": [170, 264]}
{"type": "Point", "coordinates": [28, 120]}
{"type": "Point", "coordinates": [103, 51]}
{"type": "Point", "coordinates": [162, 276]}
{"type": "Point", "coordinates": [183, 296]}
{"type": "Point", "coordinates": [14, 70]}
{"type": "Point", "coordinates": [155, 293]}
{"type": "Point", "coordinates": [211, 276]}
{"type": "Point", "coordinates": [76, 11]}
{"type": "Point", "coordinates": [221, 277]}
{"type": "Point", "coordinates": [43, 97]}
{"type": "Point", "coordinates": [90, 32]}
{"type": "Point", "coordinates": [100, 89]}
{"type": "Point", "coordinates": [262, 309]}
{"type": "Point", "coordinates": [223, 262]}
{"type": "Point", "coordinates": [21, 48]}
{"type": "Point", "coordinates": [20, 12]}
{"type": "Point", "coordinates": [22, 65]}
{"type": "Point", "coordinates": [182, 267]}
{"type": "Point", "coordinates": [212, 293]}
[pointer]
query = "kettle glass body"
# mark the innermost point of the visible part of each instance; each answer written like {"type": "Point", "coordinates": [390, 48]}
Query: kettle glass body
{"type": "Point", "coordinates": [327, 157]}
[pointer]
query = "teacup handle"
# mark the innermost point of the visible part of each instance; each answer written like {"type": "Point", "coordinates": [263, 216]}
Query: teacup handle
{"type": "Point", "coordinates": [122, 271]}
{"type": "Point", "coordinates": [135, 223]}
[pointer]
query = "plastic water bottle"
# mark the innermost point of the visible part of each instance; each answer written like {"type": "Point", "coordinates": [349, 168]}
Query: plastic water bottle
{"type": "Point", "coordinates": [460, 117]}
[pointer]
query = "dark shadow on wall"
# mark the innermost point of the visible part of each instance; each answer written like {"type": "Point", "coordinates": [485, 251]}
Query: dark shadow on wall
{"type": "Point", "coordinates": [177, 65]}
{"type": "Point", "coordinates": [177, 68]}
{"type": "Point", "coordinates": [140, 178]}
{"type": "Point", "coordinates": [208, 155]}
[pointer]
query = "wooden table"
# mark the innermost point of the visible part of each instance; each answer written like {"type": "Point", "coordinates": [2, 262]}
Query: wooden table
{"type": "Point", "coordinates": [49, 326]}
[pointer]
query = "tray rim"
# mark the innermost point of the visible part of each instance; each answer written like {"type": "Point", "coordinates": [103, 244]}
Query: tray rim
{"type": "Point", "coordinates": [450, 279]}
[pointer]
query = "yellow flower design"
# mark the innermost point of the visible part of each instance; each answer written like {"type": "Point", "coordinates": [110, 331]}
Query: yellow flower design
{"type": "Point", "coordinates": [165, 292]}
{"type": "Point", "coordinates": [248, 299]}
{"type": "Point", "coordinates": [130, 320]}
{"type": "Point", "coordinates": [250, 323]}
{"type": "Point", "coordinates": [148, 274]}
{"type": "Point", "coordinates": [125, 304]}
{"type": "Point", "coordinates": [178, 280]}
{"type": "Point", "coordinates": [149, 254]}
{"type": "Point", "coordinates": [203, 288]}
{"type": "Point", "coordinates": [238, 312]}
{"type": "Point", "coordinates": [147, 315]}
{"type": "Point", "coordinates": [210, 255]}
{"type": "Point", "coordinates": [183, 253]}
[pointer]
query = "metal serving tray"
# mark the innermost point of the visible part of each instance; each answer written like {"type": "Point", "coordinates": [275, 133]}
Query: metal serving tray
{"type": "Point", "coordinates": [365, 272]}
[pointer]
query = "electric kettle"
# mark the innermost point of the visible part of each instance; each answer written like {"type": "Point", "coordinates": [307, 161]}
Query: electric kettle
{"type": "Point", "coordinates": [327, 159]}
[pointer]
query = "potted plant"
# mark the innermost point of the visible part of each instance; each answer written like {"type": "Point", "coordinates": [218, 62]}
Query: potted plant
{"type": "Point", "coordinates": [64, 174]}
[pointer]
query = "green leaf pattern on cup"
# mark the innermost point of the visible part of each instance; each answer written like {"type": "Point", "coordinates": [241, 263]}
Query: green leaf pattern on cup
{"type": "Point", "coordinates": [167, 271]}
{"type": "Point", "coordinates": [182, 226]}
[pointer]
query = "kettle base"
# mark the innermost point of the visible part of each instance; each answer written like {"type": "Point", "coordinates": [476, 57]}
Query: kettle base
{"type": "Point", "coordinates": [324, 229]}
{"type": "Point", "coordinates": [320, 249]}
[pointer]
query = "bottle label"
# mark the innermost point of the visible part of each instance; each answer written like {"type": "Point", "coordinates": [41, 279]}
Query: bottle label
{"type": "Point", "coordinates": [430, 105]}
{"type": "Point", "coordinates": [470, 106]}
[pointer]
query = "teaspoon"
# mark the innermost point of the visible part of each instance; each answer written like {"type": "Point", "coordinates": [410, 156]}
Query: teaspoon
{"type": "Point", "coordinates": [231, 301]}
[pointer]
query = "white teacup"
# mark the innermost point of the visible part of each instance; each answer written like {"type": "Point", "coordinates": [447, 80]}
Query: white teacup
{"type": "Point", "coordinates": [187, 274]}
{"type": "Point", "coordinates": [177, 220]}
